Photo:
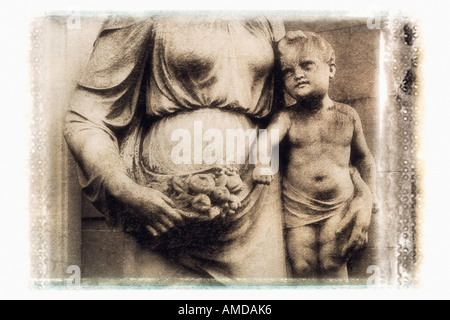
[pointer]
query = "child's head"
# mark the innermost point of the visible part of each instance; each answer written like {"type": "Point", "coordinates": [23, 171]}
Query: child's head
{"type": "Point", "coordinates": [307, 64]}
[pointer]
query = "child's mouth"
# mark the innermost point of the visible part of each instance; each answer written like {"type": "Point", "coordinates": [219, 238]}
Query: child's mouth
{"type": "Point", "coordinates": [302, 84]}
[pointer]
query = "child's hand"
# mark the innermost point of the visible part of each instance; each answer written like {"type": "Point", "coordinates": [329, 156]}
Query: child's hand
{"type": "Point", "coordinates": [263, 175]}
{"type": "Point", "coordinates": [358, 219]}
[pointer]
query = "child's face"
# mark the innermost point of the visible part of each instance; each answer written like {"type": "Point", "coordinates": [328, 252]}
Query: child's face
{"type": "Point", "coordinates": [306, 75]}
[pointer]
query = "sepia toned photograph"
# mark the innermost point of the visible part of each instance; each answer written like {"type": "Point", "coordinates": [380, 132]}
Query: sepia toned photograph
{"type": "Point", "coordinates": [223, 149]}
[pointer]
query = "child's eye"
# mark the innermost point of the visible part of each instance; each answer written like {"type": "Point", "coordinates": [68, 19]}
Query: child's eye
{"type": "Point", "coordinates": [288, 72]}
{"type": "Point", "coordinates": [307, 66]}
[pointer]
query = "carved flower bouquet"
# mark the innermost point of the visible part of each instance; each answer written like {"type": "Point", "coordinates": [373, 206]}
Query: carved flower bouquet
{"type": "Point", "coordinates": [207, 200]}
{"type": "Point", "coordinates": [207, 196]}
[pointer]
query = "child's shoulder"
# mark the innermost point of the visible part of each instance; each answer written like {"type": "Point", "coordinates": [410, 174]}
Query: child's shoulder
{"type": "Point", "coordinates": [283, 115]}
{"type": "Point", "coordinates": [346, 110]}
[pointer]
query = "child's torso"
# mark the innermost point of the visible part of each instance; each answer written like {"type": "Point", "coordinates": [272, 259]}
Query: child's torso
{"type": "Point", "coordinates": [319, 153]}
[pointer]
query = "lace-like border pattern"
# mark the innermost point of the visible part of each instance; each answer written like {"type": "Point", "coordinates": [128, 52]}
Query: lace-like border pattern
{"type": "Point", "coordinates": [401, 143]}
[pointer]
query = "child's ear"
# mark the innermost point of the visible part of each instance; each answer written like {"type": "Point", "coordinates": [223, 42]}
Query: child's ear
{"type": "Point", "coordinates": [332, 71]}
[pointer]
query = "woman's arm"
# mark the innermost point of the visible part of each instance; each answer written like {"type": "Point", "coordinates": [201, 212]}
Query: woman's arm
{"type": "Point", "coordinates": [104, 104]}
{"type": "Point", "coordinates": [103, 176]}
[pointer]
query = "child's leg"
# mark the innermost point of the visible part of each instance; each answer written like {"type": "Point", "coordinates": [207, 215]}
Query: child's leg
{"type": "Point", "coordinates": [303, 251]}
{"type": "Point", "coordinates": [332, 265]}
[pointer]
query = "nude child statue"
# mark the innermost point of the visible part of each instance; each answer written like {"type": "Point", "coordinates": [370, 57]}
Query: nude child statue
{"type": "Point", "coordinates": [325, 144]}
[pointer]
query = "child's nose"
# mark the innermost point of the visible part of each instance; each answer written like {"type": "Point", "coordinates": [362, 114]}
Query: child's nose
{"type": "Point", "coordinates": [299, 73]}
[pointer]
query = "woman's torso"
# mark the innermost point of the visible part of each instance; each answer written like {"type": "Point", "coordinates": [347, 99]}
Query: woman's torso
{"type": "Point", "coordinates": [210, 62]}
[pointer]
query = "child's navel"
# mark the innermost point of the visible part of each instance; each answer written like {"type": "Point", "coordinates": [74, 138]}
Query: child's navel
{"type": "Point", "coordinates": [319, 178]}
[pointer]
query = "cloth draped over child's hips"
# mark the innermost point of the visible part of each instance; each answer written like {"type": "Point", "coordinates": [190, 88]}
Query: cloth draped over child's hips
{"type": "Point", "coordinates": [301, 210]}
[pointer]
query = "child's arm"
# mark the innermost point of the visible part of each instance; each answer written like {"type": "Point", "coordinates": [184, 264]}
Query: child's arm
{"type": "Point", "coordinates": [362, 158]}
{"type": "Point", "coordinates": [281, 122]}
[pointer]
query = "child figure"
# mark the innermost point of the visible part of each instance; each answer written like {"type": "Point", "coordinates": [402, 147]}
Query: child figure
{"type": "Point", "coordinates": [325, 139]}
